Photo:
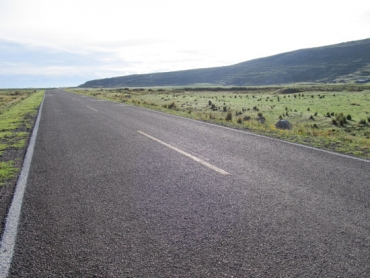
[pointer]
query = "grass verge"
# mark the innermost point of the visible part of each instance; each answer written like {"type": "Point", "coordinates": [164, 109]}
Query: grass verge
{"type": "Point", "coordinates": [18, 109]}
{"type": "Point", "coordinates": [332, 117]}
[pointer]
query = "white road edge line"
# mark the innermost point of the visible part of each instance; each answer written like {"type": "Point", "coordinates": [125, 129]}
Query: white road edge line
{"type": "Point", "coordinates": [257, 135]}
{"type": "Point", "coordinates": [201, 161]}
{"type": "Point", "coordinates": [92, 108]}
{"type": "Point", "coordinates": [11, 225]}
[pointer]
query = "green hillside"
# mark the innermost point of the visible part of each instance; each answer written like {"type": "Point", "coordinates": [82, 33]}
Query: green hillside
{"type": "Point", "coordinates": [345, 62]}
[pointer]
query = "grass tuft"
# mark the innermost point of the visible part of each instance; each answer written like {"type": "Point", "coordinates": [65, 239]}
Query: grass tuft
{"type": "Point", "coordinates": [312, 110]}
{"type": "Point", "coordinates": [229, 116]}
{"type": "Point", "coordinates": [7, 171]}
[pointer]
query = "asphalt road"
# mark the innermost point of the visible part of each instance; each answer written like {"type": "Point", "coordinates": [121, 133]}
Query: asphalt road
{"type": "Point", "coordinates": [119, 191]}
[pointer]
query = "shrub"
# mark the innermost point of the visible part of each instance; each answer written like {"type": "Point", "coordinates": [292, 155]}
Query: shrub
{"type": "Point", "coordinates": [341, 119]}
{"type": "Point", "coordinates": [260, 115]}
{"type": "Point", "coordinates": [368, 119]}
{"type": "Point", "coordinates": [334, 121]}
{"type": "Point", "coordinates": [172, 105]}
{"type": "Point", "coordinates": [225, 109]}
{"type": "Point", "coordinates": [229, 116]}
{"type": "Point", "coordinates": [349, 117]}
{"type": "Point", "coordinates": [239, 121]}
{"type": "Point", "coordinates": [362, 122]}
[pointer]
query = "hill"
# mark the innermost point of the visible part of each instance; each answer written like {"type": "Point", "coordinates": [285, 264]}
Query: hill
{"type": "Point", "coordinates": [344, 62]}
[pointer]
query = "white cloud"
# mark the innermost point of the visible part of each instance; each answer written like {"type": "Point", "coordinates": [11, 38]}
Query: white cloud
{"type": "Point", "coordinates": [139, 36]}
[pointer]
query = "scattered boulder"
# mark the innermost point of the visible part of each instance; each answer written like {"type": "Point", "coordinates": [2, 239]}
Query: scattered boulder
{"type": "Point", "coordinates": [283, 124]}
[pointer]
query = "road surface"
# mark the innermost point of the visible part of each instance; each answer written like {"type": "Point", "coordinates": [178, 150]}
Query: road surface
{"type": "Point", "coordinates": [120, 191]}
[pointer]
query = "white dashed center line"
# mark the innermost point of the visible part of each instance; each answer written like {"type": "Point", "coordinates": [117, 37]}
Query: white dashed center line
{"type": "Point", "coordinates": [201, 161]}
{"type": "Point", "coordinates": [92, 108]}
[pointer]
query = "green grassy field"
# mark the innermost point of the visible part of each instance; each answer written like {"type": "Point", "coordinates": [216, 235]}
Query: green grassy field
{"type": "Point", "coordinates": [18, 109]}
{"type": "Point", "coordinates": [333, 117]}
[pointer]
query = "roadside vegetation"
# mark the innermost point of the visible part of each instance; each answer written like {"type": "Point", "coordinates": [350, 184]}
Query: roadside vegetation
{"type": "Point", "coordinates": [18, 109]}
{"type": "Point", "coordinates": [333, 117]}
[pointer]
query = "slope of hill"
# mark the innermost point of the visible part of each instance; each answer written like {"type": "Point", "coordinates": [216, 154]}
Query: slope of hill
{"type": "Point", "coordinates": [344, 62]}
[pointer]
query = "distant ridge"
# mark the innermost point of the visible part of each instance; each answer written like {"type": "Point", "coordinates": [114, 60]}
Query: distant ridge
{"type": "Point", "coordinates": [344, 62]}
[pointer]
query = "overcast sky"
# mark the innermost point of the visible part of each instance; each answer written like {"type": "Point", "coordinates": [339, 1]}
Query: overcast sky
{"type": "Point", "coordinates": [54, 43]}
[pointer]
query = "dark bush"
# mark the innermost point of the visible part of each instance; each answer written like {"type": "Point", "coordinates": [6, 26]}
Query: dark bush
{"type": "Point", "coordinates": [229, 116]}
{"type": "Point", "coordinates": [341, 119]}
{"type": "Point", "coordinates": [172, 105]}
{"type": "Point", "coordinates": [362, 122]}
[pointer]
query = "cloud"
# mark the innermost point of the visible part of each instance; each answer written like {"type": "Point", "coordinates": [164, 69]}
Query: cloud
{"type": "Point", "coordinates": [23, 65]}
{"type": "Point", "coordinates": [94, 39]}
